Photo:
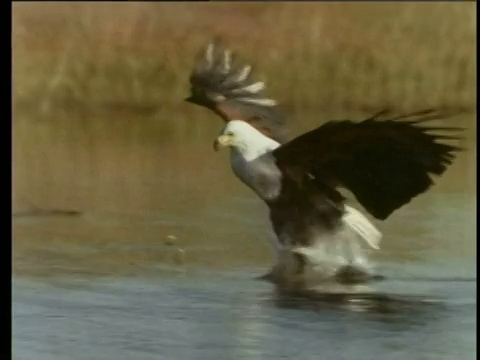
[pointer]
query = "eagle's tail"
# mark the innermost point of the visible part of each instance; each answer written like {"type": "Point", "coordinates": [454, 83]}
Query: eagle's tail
{"type": "Point", "coordinates": [357, 222]}
{"type": "Point", "coordinates": [340, 255]}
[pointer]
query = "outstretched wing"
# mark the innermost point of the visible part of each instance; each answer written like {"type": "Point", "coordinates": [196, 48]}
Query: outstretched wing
{"type": "Point", "coordinates": [222, 85]}
{"type": "Point", "coordinates": [383, 163]}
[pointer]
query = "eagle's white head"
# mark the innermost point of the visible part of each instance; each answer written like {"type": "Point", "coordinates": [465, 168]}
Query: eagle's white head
{"type": "Point", "coordinates": [245, 139]}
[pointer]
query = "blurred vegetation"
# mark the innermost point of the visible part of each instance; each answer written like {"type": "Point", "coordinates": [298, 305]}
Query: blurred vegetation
{"type": "Point", "coordinates": [99, 87]}
{"type": "Point", "coordinates": [137, 56]}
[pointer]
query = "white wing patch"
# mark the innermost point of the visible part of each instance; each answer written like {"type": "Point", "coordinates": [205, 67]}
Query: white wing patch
{"type": "Point", "coordinates": [227, 61]}
{"type": "Point", "coordinates": [243, 73]}
{"type": "Point", "coordinates": [261, 102]}
{"type": "Point", "coordinates": [209, 54]}
{"type": "Point", "coordinates": [355, 220]}
{"type": "Point", "coordinates": [216, 96]}
{"type": "Point", "coordinates": [252, 89]}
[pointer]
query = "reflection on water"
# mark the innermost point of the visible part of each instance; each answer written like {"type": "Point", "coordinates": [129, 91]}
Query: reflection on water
{"type": "Point", "coordinates": [212, 316]}
{"type": "Point", "coordinates": [108, 286]}
{"type": "Point", "coordinates": [135, 165]}
{"type": "Point", "coordinates": [121, 276]}
{"type": "Point", "coordinates": [104, 244]}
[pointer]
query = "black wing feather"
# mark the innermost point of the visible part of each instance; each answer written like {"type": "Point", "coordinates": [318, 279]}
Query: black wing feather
{"type": "Point", "coordinates": [384, 163]}
{"type": "Point", "coordinates": [220, 83]}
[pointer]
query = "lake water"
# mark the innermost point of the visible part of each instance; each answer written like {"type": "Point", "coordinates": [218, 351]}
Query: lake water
{"type": "Point", "coordinates": [110, 287]}
{"type": "Point", "coordinates": [160, 260]}
{"type": "Point", "coordinates": [231, 316]}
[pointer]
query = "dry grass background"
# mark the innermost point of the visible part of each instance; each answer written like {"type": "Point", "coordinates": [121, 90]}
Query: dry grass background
{"type": "Point", "coordinates": [321, 57]}
{"type": "Point", "coordinates": [100, 125]}
{"type": "Point", "coordinates": [98, 87]}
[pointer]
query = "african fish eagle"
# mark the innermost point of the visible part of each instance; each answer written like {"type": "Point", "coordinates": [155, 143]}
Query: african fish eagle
{"type": "Point", "coordinates": [385, 161]}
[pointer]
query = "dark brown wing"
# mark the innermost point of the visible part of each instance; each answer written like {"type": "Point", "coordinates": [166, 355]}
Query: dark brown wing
{"type": "Point", "coordinates": [222, 85]}
{"type": "Point", "coordinates": [383, 163]}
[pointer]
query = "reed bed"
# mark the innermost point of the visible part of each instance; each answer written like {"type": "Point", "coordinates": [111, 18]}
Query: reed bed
{"type": "Point", "coordinates": [99, 119]}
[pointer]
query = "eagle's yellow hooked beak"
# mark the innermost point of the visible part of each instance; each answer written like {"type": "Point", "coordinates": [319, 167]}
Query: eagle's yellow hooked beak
{"type": "Point", "coordinates": [222, 141]}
